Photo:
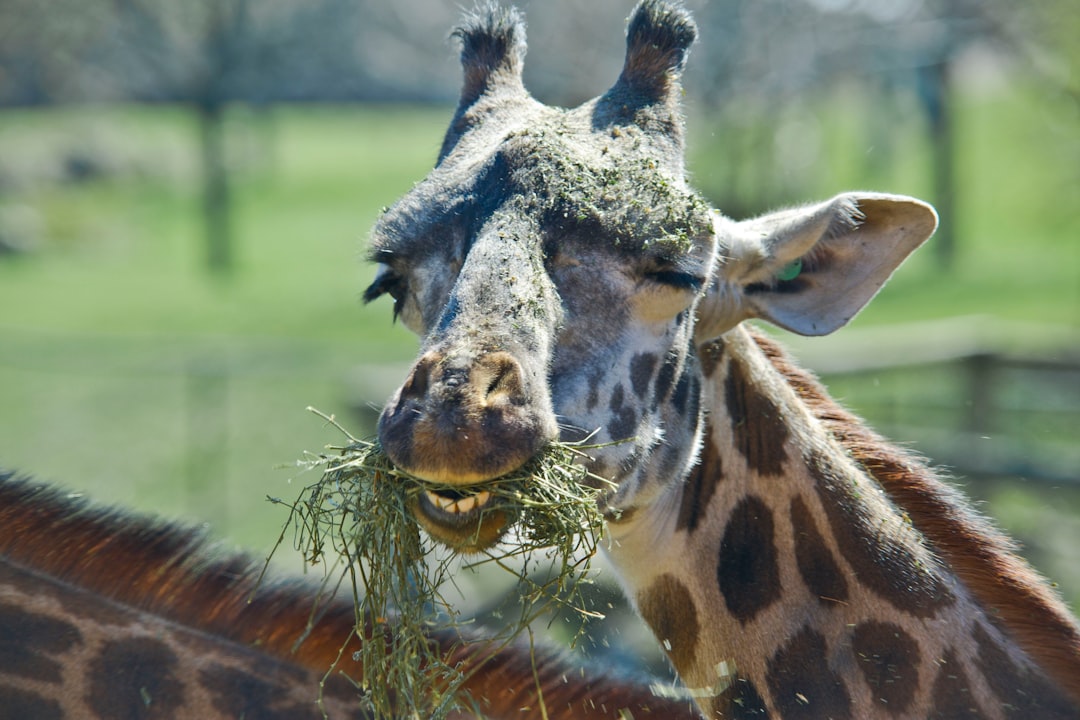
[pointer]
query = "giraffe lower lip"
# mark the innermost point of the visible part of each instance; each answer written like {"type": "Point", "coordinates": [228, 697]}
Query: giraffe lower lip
{"type": "Point", "coordinates": [463, 521]}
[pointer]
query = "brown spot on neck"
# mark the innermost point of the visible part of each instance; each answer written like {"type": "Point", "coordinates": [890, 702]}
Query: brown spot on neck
{"type": "Point", "coordinates": [1023, 694]}
{"type": "Point", "coordinates": [748, 569]}
{"type": "Point", "coordinates": [951, 698]}
{"type": "Point", "coordinates": [888, 658]}
{"type": "Point", "coordinates": [803, 686]}
{"type": "Point", "coordinates": [710, 356]}
{"type": "Point", "coordinates": [740, 701]}
{"type": "Point", "coordinates": [668, 607]}
{"type": "Point", "coordinates": [134, 678]}
{"type": "Point", "coordinates": [891, 566]}
{"type": "Point", "coordinates": [30, 642]}
{"type": "Point", "coordinates": [237, 694]}
{"type": "Point", "coordinates": [700, 486]}
{"type": "Point", "coordinates": [18, 703]}
{"type": "Point", "coordinates": [817, 566]}
{"type": "Point", "coordinates": [758, 429]}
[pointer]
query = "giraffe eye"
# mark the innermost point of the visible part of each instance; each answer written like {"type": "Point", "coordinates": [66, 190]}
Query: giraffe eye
{"type": "Point", "coordinates": [676, 279]}
{"type": "Point", "coordinates": [790, 271]}
{"type": "Point", "coordinates": [388, 282]}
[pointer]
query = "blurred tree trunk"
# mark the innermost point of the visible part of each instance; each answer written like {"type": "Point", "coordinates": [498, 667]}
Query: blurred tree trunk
{"type": "Point", "coordinates": [223, 43]}
{"type": "Point", "coordinates": [216, 199]}
{"type": "Point", "coordinates": [207, 426]}
{"type": "Point", "coordinates": [935, 91]}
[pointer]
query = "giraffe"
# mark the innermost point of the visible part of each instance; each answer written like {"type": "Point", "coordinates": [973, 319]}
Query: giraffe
{"type": "Point", "coordinates": [567, 282]}
{"type": "Point", "coordinates": [106, 614]}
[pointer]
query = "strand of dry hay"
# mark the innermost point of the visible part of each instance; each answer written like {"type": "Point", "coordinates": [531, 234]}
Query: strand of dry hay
{"type": "Point", "coordinates": [355, 522]}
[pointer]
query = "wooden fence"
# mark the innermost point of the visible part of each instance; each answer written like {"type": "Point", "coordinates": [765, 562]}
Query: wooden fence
{"type": "Point", "coordinates": [985, 398]}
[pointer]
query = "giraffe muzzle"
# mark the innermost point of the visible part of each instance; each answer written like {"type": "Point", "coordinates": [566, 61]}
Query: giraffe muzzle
{"type": "Point", "coordinates": [463, 421]}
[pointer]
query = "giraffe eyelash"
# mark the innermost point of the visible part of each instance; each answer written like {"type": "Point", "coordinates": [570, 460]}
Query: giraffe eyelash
{"type": "Point", "coordinates": [676, 279]}
{"type": "Point", "coordinates": [388, 282]}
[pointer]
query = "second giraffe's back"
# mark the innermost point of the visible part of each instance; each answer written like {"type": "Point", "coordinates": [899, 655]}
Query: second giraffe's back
{"type": "Point", "coordinates": [105, 614]}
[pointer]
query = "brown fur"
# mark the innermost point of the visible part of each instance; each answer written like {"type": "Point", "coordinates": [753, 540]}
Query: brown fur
{"type": "Point", "coordinates": [169, 571]}
{"type": "Point", "coordinates": [1012, 593]}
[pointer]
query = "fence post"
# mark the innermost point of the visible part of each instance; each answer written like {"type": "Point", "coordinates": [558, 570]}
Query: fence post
{"type": "Point", "coordinates": [981, 369]}
{"type": "Point", "coordinates": [207, 411]}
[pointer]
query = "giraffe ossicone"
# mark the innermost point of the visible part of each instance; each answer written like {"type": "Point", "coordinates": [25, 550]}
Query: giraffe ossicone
{"type": "Point", "coordinates": [567, 281]}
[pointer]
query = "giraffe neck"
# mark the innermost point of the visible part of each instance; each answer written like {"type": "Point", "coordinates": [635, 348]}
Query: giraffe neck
{"type": "Point", "coordinates": [109, 615]}
{"type": "Point", "coordinates": [805, 569]}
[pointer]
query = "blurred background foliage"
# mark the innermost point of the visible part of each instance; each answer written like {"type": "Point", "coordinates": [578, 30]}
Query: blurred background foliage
{"type": "Point", "coordinates": [185, 190]}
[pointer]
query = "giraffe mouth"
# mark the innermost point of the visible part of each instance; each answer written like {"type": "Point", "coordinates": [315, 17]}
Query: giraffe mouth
{"type": "Point", "coordinates": [456, 502]}
{"type": "Point", "coordinates": [464, 520]}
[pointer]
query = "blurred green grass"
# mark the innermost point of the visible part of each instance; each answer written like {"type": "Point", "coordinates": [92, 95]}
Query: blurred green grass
{"type": "Point", "coordinates": [1017, 154]}
{"type": "Point", "coordinates": [124, 254]}
{"type": "Point", "coordinates": [128, 372]}
{"type": "Point", "coordinates": [111, 328]}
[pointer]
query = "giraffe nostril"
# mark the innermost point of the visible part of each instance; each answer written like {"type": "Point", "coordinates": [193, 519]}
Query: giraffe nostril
{"type": "Point", "coordinates": [503, 375]}
{"type": "Point", "coordinates": [418, 383]}
{"type": "Point", "coordinates": [455, 377]}
{"type": "Point", "coordinates": [496, 381]}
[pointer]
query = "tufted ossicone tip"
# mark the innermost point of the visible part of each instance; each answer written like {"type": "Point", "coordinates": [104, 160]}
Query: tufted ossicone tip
{"type": "Point", "coordinates": [648, 92]}
{"type": "Point", "coordinates": [492, 50]}
{"type": "Point", "coordinates": [658, 40]}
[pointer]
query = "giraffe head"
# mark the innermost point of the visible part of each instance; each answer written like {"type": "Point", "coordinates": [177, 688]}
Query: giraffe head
{"type": "Point", "coordinates": [556, 263]}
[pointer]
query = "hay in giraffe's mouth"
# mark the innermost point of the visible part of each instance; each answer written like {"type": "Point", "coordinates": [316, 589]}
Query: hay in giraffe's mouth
{"type": "Point", "coordinates": [362, 518]}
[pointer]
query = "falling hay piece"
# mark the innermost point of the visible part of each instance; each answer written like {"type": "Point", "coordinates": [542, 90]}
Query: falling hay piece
{"type": "Point", "coordinates": [356, 522]}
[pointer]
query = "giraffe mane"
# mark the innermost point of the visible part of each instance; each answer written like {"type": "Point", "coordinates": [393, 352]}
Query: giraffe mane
{"type": "Point", "coordinates": [165, 568]}
{"type": "Point", "coordinates": [1016, 597]}
{"type": "Point", "coordinates": [173, 571]}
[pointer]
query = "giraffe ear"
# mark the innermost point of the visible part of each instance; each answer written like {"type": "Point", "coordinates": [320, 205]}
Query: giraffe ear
{"type": "Point", "coordinates": [812, 269]}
